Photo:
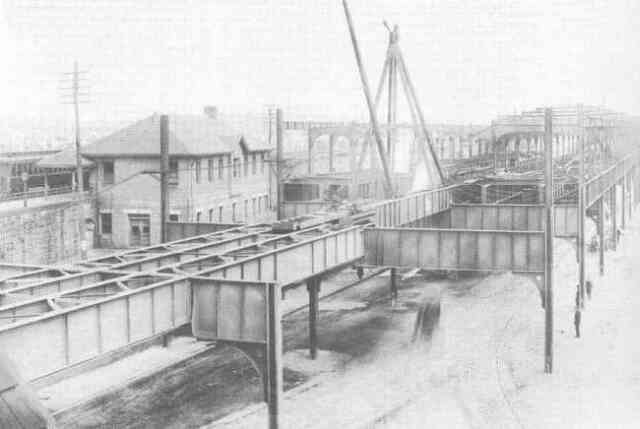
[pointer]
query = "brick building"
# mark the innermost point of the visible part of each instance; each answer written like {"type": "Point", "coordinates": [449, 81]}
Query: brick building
{"type": "Point", "coordinates": [216, 175]}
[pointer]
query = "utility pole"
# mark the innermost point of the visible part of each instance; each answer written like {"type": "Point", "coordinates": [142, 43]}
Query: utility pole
{"type": "Point", "coordinates": [548, 269]}
{"type": "Point", "coordinates": [581, 204]}
{"type": "Point", "coordinates": [279, 163]}
{"type": "Point", "coordinates": [388, 183]}
{"type": "Point", "coordinates": [164, 176]}
{"type": "Point", "coordinates": [79, 183]}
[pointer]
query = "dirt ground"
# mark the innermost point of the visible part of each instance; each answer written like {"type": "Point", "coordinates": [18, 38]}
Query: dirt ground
{"type": "Point", "coordinates": [209, 386]}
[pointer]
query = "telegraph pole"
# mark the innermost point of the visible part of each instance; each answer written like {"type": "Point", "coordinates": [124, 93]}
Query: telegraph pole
{"type": "Point", "coordinates": [164, 176]}
{"type": "Point", "coordinates": [548, 269]}
{"type": "Point", "coordinates": [581, 204]}
{"type": "Point", "coordinates": [79, 184]}
{"type": "Point", "coordinates": [279, 164]}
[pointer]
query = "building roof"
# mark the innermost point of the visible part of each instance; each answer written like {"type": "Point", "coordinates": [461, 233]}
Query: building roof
{"type": "Point", "coordinates": [189, 135]}
{"type": "Point", "coordinates": [66, 158]}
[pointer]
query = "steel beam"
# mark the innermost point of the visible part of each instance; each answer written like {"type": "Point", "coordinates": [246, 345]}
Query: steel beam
{"type": "Point", "coordinates": [313, 289]}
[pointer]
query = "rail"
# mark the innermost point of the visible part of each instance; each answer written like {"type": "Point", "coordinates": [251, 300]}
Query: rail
{"type": "Point", "coordinates": [412, 207]}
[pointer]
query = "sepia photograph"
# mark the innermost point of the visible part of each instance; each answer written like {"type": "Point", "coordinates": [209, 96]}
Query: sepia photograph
{"type": "Point", "coordinates": [290, 214]}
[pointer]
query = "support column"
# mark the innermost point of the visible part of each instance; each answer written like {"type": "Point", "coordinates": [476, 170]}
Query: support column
{"type": "Point", "coordinates": [601, 233]}
{"type": "Point", "coordinates": [614, 220]}
{"type": "Point", "coordinates": [313, 288]}
{"type": "Point", "coordinates": [623, 208]}
{"type": "Point", "coordinates": [274, 356]}
{"type": "Point", "coordinates": [393, 278]}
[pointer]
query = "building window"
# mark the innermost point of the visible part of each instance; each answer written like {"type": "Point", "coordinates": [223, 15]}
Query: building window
{"type": "Point", "coordinates": [254, 164]}
{"type": "Point", "coordinates": [259, 204]}
{"type": "Point", "coordinates": [210, 170]}
{"type": "Point", "coordinates": [108, 172]}
{"type": "Point", "coordinates": [253, 207]}
{"type": "Point", "coordinates": [236, 167]}
{"type": "Point", "coordinates": [139, 231]}
{"type": "Point", "coordinates": [105, 223]}
{"type": "Point", "coordinates": [198, 216]}
{"type": "Point", "coordinates": [266, 202]}
{"type": "Point", "coordinates": [262, 161]}
{"type": "Point", "coordinates": [174, 217]}
{"type": "Point", "coordinates": [220, 214]}
{"type": "Point", "coordinates": [173, 171]}
{"type": "Point", "coordinates": [246, 210]}
{"type": "Point", "coordinates": [211, 215]}
{"type": "Point", "coordinates": [198, 171]}
{"type": "Point", "coordinates": [220, 167]}
{"type": "Point", "coordinates": [246, 165]}
{"type": "Point", "coordinates": [234, 206]}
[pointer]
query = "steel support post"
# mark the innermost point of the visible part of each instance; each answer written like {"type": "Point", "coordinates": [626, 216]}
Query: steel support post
{"type": "Point", "coordinates": [623, 201]}
{"type": "Point", "coordinates": [393, 280]}
{"type": "Point", "coordinates": [548, 268]}
{"type": "Point", "coordinates": [313, 288]}
{"type": "Point", "coordinates": [614, 218]}
{"type": "Point", "coordinates": [601, 233]}
{"type": "Point", "coordinates": [274, 355]}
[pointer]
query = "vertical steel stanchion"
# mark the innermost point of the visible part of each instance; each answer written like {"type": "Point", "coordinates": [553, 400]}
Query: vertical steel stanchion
{"type": "Point", "coordinates": [274, 355]}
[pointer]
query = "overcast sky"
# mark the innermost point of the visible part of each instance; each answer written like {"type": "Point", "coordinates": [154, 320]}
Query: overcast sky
{"type": "Point", "coordinates": [470, 60]}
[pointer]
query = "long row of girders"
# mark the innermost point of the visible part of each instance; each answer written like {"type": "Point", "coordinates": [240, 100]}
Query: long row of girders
{"type": "Point", "coordinates": [216, 243]}
{"type": "Point", "coordinates": [41, 274]}
{"type": "Point", "coordinates": [38, 306]}
{"type": "Point", "coordinates": [12, 275]}
{"type": "Point", "coordinates": [44, 296]}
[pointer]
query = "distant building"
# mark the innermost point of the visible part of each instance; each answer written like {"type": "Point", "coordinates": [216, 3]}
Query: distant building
{"type": "Point", "coordinates": [41, 179]}
{"type": "Point", "coordinates": [216, 175]}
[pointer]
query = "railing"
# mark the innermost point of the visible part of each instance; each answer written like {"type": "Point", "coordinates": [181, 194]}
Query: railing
{"type": "Point", "coordinates": [412, 207]}
{"type": "Point", "coordinates": [292, 264]}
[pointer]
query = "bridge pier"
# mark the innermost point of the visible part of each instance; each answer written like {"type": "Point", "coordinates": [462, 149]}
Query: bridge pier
{"type": "Point", "coordinates": [313, 288]}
